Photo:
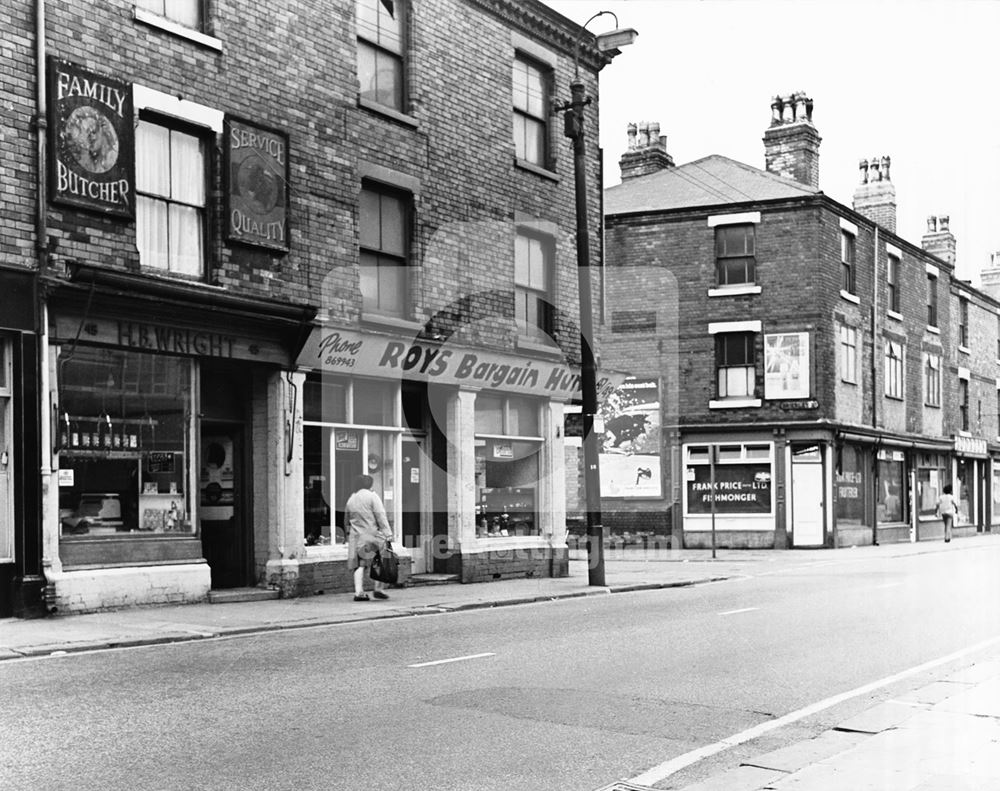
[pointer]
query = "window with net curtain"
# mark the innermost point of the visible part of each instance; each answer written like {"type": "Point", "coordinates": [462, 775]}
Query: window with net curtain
{"type": "Point", "coordinates": [384, 248]}
{"type": "Point", "coordinates": [170, 200]}
{"type": "Point", "coordinates": [736, 364]}
{"type": "Point", "coordinates": [184, 12]}
{"type": "Point", "coordinates": [533, 255]}
{"type": "Point", "coordinates": [530, 111]}
{"type": "Point", "coordinates": [380, 52]}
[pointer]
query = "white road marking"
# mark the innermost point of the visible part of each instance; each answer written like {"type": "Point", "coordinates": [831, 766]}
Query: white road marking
{"type": "Point", "coordinates": [658, 773]}
{"type": "Point", "coordinates": [734, 612]}
{"type": "Point", "coordinates": [453, 659]}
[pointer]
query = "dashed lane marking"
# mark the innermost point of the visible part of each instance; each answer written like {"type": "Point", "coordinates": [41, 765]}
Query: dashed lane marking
{"type": "Point", "coordinates": [453, 659]}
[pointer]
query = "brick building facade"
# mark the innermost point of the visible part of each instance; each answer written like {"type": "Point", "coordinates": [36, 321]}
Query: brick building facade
{"type": "Point", "coordinates": [813, 389]}
{"type": "Point", "coordinates": [275, 246]}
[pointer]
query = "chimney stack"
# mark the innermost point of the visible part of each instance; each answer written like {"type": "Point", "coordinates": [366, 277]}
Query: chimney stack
{"type": "Point", "coordinates": [875, 196]}
{"type": "Point", "coordinates": [647, 151]}
{"type": "Point", "coordinates": [791, 143]}
{"type": "Point", "coordinates": [939, 240]}
{"type": "Point", "coordinates": [990, 277]}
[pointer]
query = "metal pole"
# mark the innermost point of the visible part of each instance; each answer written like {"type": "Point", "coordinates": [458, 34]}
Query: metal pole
{"type": "Point", "coordinates": [711, 490]}
{"type": "Point", "coordinates": [588, 367]}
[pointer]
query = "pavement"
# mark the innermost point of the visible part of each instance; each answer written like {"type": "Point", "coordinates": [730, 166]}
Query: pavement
{"type": "Point", "coordinates": [944, 736]}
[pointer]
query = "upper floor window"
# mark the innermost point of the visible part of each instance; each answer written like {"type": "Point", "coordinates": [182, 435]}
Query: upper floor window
{"type": "Point", "coordinates": [963, 321]}
{"type": "Point", "coordinates": [189, 13]}
{"type": "Point", "coordinates": [735, 260]}
{"type": "Point", "coordinates": [847, 258]}
{"type": "Point", "coordinates": [384, 241]}
{"type": "Point", "coordinates": [531, 111]}
{"type": "Point", "coordinates": [893, 369]}
{"type": "Point", "coordinates": [892, 284]}
{"type": "Point", "coordinates": [963, 403]}
{"type": "Point", "coordinates": [380, 51]}
{"type": "Point", "coordinates": [533, 261]}
{"type": "Point", "coordinates": [170, 174]}
{"type": "Point", "coordinates": [735, 362]}
{"type": "Point", "coordinates": [932, 381]}
{"type": "Point", "coordinates": [932, 300]}
{"type": "Point", "coordinates": [849, 354]}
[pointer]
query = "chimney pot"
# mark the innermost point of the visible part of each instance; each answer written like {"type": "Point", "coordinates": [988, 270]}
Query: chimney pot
{"type": "Point", "coordinates": [863, 167]}
{"type": "Point", "coordinates": [647, 151]}
{"type": "Point", "coordinates": [943, 223]}
{"type": "Point", "coordinates": [631, 130]}
{"type": "Point", "coordinates": [886, 161]}
{"type": "Point", "coordinates": [787, 110]}
{"type": "Point", "coordinates": [791, 143]}
{"type": "Point", "coordinates": [776, 111]}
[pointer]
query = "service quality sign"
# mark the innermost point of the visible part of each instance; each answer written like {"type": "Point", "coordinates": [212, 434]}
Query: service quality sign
{"type": "Point", "coordinates": [257, 189]}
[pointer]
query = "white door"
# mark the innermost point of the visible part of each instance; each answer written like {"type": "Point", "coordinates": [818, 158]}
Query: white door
{"type": "Point", "coordinates": [414, 531]}
{"type": "Point", "coordinates": [807, 504]}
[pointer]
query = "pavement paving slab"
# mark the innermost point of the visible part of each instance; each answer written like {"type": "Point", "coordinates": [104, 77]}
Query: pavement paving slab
{"type": "Point", "coordinates": [809, 751]}
{"type": "Point", "coordinates": [878, 718]}
{"type": "Point", "coordinates": [743, 778]}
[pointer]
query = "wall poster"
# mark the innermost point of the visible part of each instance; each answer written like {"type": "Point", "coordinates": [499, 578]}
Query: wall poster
{"type": "Point", "coordinates": [786, 365]}
{"type": "Point", "coordinates": [630, 448]}
{"type": "Point", "coordinates": [91, 140]}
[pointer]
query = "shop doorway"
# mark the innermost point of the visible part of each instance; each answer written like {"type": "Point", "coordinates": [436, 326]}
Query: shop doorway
{"type": "Point", "coordinates": [807, 497]}
{"type": "Point", "coordinates": [222, 512]}
{"type": "Point", "coordinates": [414, 534]}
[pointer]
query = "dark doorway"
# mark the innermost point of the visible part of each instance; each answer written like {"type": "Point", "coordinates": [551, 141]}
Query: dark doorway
{"type": "Point", "coordinates": [224, 536]}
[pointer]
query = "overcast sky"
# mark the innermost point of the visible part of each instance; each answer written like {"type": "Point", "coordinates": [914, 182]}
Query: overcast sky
{"type": "Point", "coordinates": [911, 79]}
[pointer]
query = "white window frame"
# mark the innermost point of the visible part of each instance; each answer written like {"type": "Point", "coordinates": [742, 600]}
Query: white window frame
{"type": "Point", "coordinates": [894, 369]}
{"type": "Point", "coordinates": [932, 380]}
{"type": "Point", "coordinates": [848, 354]}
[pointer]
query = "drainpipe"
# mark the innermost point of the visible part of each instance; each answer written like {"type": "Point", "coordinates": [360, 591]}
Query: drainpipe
{"type": "Point", "coordinates": [42, 252]}
{"type": "Point", "coordinates": [875, 358]}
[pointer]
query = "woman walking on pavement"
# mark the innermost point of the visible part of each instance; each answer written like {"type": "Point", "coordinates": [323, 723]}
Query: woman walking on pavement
{"type": "Point", "coordinates": [946, 510]}
{"type": "Point", "coordinates": [365, 519]}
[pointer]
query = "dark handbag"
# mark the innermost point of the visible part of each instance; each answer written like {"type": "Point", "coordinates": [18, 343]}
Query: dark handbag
{"type": "Point", "coordinates": [385, 565]}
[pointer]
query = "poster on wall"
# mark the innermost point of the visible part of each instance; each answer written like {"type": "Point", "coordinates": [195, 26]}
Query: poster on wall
{"type": "Point", "coordinates": [217, 478]}
{"type": "Point", "coordinates": [630, 447]}
{"type": "Point", "coordinates": [739, 489]}
{"type": "Point", "coordinates": [91, 140]}
{"type": "Point", "coordinates": [256, 185]}
{"type": "Point", "coordinates": [786, 365]}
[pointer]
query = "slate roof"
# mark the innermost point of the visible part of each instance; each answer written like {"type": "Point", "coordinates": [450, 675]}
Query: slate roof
{"type": "Point", "coordinates": [710, 181]}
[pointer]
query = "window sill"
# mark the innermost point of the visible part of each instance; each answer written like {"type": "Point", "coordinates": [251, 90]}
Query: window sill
{"type": "Point", "coordinates": [933, 330]}
{"type": "Point", "coordinates": [388, 112]}
{"type": "Point", "coordinates": [848, 382]}
{"type": "Point", "coordinates": [735, 403]}
{"type": "Point", "coordinates": [153, 20]}
{"type": "Point", "coordinates": [847, 295]}
{"type": "Point", "coordinates": [548, 349]}
{"type": "Point", "coordinates": [545, 173]}
{"type": "Point", "coordinates": [391, 322]}
{"type": "Point", "coordinates": [894, 315]}
{"type": "Point", "coordinates": [733, 291]}
{"type": "Point", "coordinates": [932, 406]}
{"type": "Point", "coordinates": [964, 350]}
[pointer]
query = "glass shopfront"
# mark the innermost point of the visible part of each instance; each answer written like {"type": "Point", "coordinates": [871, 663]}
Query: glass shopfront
{"type": "Point", "coordinates": [889, 498]}
{"type": "Point", "coordinates": [351, 427]}
{"type": "Point", "coordinates": [931, 478]}
{"type": "Point", "coordinates": [125, 428]}
{"type": "Point", "coordinates": [508, 445]}
{"type": "Point", "coordinates": [852, 483]}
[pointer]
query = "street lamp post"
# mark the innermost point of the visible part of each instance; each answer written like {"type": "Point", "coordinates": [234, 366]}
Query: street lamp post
{"type": "Point", "coordinates": [574, 129]}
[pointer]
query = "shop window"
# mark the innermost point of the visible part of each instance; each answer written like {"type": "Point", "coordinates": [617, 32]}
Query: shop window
{"type": "Point", "coordinates": [735, 363]}
{"type": "Point", "coordinates": [531, 111]}
{"type": "Point", "coordinates": [170, 170]}
{"type": "Point", "coordinates": [742, 476]}
{"type": "Point", "coordinates": [124, 438]}
{"type": "Point", "coordinates": [965, 472]}
{"type": "Point", "coordinates": [533, 261]}
{"type": "Point", "coordinates": [735, 256]}
{"type": "Point", "coordinates": [189, 13]}
{"type": "Point", "coordinates": [381, 52]}
{"type": "Point", "coordinates": [851, 485]}
{"type": "Point", "coordinates": [893, 369]}
{"type": "Point", "coordinates": [890, 502]}
{"type": "Point", "coordinates": [384, 254]}
{"type": "Point", "coordinates": [932, 380]}
{"type": "Point", "coordinates": [848, 354]}
{"type": "Point", "coordinates": [350, 428]}
{"type": "Point", "coordinates": [847, 262]}
{"type": "Point", "coordinates": [931, 478]}
{"type": "Point", "coordinates": [507, 466]}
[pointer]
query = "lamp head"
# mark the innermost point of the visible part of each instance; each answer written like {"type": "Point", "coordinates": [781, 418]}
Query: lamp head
{"type": "Point", "coordinates": [615, 39]}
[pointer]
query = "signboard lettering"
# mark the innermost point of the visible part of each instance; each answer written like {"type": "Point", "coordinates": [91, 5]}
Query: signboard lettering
{"type": "Point", "coordinates": [92, 140]}
{"type": "Point", "coordinates": [739, 489]}
{"type": "Point", "coordinates": [257, 188]}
